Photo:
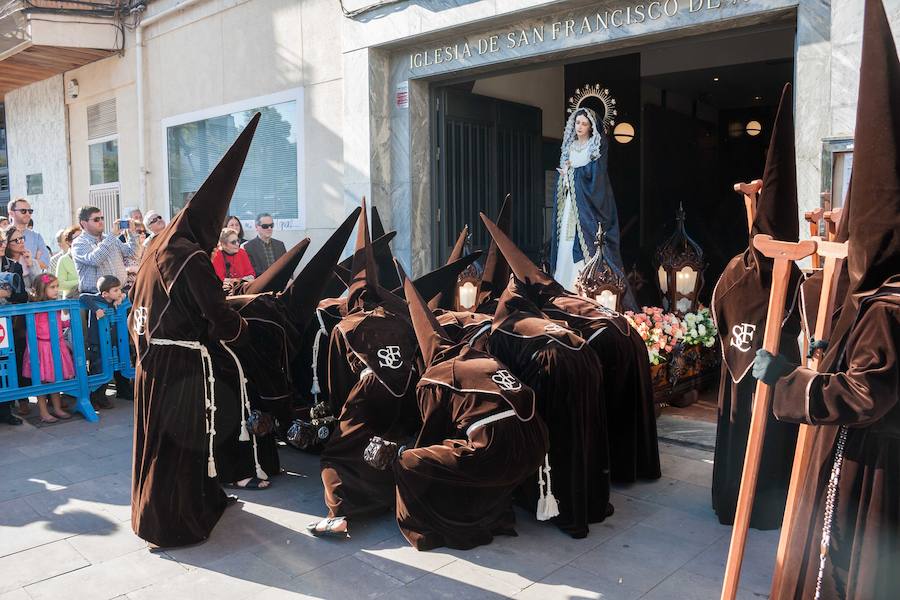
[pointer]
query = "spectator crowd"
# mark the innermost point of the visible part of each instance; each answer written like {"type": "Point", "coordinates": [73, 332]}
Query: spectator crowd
{"type": "Point", "coordinates": [96, 261]}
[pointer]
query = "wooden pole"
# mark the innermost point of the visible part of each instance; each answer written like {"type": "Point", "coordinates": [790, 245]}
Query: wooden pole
{"type": "Point", "coordinates": [832, 221]}
{"type": "Point", "coordinates": [813, 217]}
{"type": "Point", "coordinates": [834, 254]}
{"type": "Point", "coordinates": [750, 192]}
{"type": "Point", "coordinates": [783, 253]}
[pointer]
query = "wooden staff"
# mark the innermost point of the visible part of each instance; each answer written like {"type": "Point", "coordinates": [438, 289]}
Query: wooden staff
{"type": "Point", "coordinates": [783, 253]}
{"type": "Point", "coordinates": [751, 195]}
{"type": "Point", "coordinates": [834, 254]}
{"type": "Point", "coordinates": [832, 222]}
{"type": "Point", "coordinates": [813, 217]}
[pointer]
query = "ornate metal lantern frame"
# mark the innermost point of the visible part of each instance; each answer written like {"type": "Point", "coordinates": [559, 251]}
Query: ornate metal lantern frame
{"type": "Point", "coordinates": [468, 282]}
{"type": "Point", "coordinates": [599, 281]}
{"type": "Point", "coordinates": [679, 266]}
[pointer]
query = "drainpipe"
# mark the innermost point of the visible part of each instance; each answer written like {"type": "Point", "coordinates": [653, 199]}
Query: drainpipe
{"type": "Point", "coordinates": [139, 89]}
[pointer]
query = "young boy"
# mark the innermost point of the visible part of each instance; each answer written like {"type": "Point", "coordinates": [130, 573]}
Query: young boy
{"type": "Point", "coordinates": [110, 296]}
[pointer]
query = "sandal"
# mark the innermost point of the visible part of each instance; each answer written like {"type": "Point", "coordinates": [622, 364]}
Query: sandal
{"type": "Point", "coordinates": [255, 483]}
{"type": "Point", "coordinates": [328, 531]}
{"type": "Point", "coordinates": [49, 419]}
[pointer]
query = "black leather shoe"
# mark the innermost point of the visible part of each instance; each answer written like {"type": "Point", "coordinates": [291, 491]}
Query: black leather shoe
{"type": "Point", "coordinates": [12, 420]}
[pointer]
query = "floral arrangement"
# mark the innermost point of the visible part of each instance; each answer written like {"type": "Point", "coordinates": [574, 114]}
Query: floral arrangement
{"type": "Point", "coordinates": [665, 332]}
{"type": "Point", "coordinates": [699, 329]}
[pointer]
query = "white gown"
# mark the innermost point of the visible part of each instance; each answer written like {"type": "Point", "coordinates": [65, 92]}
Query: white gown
{"type": "Point", "coordinates": [566, 269]}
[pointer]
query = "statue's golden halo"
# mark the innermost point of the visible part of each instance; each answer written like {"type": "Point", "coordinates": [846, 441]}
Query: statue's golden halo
{"type": "Point", "coordinates": [595, 90]}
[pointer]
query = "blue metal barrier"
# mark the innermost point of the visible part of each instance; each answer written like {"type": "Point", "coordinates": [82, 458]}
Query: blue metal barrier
{"type": "Point", "coordinates": [112, 357]}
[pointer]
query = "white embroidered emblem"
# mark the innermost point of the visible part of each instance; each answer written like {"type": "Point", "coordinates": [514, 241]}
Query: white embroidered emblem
{"type": "Point", "coordinates": [742, 336]}
{"type": "Point", "coordinates": [390, 357]}
{"type": "Point", "coordinates": [553, 328]}
{"type": "Point", "coordinates": [506, 381]}
{"type": "Point", "coordinates": [139, 314]}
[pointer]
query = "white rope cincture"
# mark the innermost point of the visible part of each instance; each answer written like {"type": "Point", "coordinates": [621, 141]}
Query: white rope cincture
{"type": "Point", "coordinates": [245, 410]}
{"type": "Point", "coordinates": [209, 393]}
{"type": "Point", "coordinates": [830, 501]}
{"type": "Point", "coordinates": [316, 389]}
{"type": "Point", "coordinates": [547, 506]}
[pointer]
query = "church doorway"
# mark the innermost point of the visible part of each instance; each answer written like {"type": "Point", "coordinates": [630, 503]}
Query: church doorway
{"type": "Point", "coordinates": [693, 117]}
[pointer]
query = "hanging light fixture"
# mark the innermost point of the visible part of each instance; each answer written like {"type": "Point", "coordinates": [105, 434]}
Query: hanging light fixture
{"type": "Point", "coordinates": [680, 266]}
{"type": "Point", "coordinates": [468, 281]}
{"type": "Point", "coordinates": [623, 132]}
{"type": "Point", "coordinates": [599, 281]}
{"type": "Point", "coordinates": [754, 128]}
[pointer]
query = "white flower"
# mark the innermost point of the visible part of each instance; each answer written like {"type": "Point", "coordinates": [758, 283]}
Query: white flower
{"type": "Point", "coordinates": [701, 329]}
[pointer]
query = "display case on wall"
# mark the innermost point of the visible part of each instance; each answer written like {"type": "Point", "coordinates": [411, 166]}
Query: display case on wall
{"type": "Point", "coordinates": [837, 163]}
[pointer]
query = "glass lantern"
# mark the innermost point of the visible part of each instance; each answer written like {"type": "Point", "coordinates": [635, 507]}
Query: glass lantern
{"type": "Point", "coordinates": [680, 269]}
{"type": "Point", "coordinates": [469, 281]}
{"type": "Point", "coordinates": [599, 281]}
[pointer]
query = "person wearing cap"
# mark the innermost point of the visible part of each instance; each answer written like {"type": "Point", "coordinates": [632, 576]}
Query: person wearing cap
{"type": "Point", "coordinates": [845, 536]}
{"type": "Point", "coordinates": [154, 223]}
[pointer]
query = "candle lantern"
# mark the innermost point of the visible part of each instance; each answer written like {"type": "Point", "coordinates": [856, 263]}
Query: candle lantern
{"type": "Point", "coordinates": [469, 280]}
{"type": "Point", "coordinates": [680, 266]}
{"type": "Point", "coordinates": [599, 281]}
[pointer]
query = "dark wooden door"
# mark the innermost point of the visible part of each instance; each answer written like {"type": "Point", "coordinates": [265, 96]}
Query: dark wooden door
{"type": "Point", "coordinates": [485, 148]}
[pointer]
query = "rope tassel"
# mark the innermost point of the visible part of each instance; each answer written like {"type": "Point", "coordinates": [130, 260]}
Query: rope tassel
{"type": "Point", "coordinates": [547, 506]}
{"type": "Point", "coordinates": [315, 390]}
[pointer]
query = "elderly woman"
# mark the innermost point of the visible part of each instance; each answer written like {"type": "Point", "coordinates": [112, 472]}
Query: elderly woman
{"type": "Point", "coordinates": [230, 261]}
{"type": "Point", "coordinates": [65, 266]}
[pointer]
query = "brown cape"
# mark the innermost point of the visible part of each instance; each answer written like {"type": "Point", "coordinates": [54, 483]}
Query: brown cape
{"type": "Point", "coordinates": [566, 376]}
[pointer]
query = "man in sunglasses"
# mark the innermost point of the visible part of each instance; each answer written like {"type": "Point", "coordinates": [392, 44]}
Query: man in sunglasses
{"type": "Point", "coordinates": [264, 249]}
{"type": "Point", "coordinates": [21, 212]}
{"type": "Point", "coordinates": [96, 254]}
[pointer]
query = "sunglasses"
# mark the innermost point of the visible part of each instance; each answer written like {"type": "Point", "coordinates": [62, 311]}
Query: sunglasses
{"type": "Point", "coordinates": [25, 211]}
{"type": "Point", "coordinates": [98, 219]}
{"type": "Point", "coordinates": [154, 220]}
{"type": "Point", "coordinates": [266, 225]}
{"type": "Point", "coordinates": [232, 242]}
{"type": "Point", "coordinates": [16, 240]}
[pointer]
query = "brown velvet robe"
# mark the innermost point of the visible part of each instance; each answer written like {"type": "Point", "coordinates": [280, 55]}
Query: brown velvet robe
{"type": "Point", "coordinates": [861, 394]}
{"type": "Point", "coordinates": [455, 487]}
{"type": "Point", "coordinates": [567, 378]}
{"type": "Point", "coordinates": [627, 385]}
{"type": "Point", "coordinates": [173, 500]}
{"type": "Point", "coordinates": [371, 379]}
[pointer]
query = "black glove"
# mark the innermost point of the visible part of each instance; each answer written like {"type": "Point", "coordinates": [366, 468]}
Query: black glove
{"type": "Point", "coordinates": [260, 423]}
{"type": "Point", "coordinates": [769, 368]}
{"type": "Point", "coordinates": [814, 345]}
{"type": "Point", "coordinates": [381, 454]}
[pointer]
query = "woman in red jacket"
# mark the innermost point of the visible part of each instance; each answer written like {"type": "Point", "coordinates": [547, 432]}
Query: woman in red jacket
{"type": "Point", "coordinates": [230, 261]}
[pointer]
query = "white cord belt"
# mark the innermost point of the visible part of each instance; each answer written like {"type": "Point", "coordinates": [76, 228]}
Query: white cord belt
{"type": "Point", "coordinates": [487, 420]}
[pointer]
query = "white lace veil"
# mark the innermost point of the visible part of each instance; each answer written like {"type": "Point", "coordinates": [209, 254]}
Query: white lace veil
{"type": "Point", "coordinates": [595, 144]}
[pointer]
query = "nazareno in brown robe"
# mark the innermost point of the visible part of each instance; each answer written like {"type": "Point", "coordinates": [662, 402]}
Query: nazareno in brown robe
{"type": "Point", "coordinates": [627, 386]}
{"type": "Point", "coordinates": [739, 304]}
{"type": "Point", "coordinates": [179, 311]}
{"type": "Point", "coordinates": [372, 372]}
{"type": "Point", "coordinates": [854, 400]}
{"type": "Point", "coordinates": [480, 439]}
{"type": "Point", "coordinates": [275, 311]}
{"type": "Point", "coordinates": [567, 379]}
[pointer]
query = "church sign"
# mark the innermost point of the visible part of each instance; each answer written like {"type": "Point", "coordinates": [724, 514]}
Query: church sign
{"type": "Point", "coordinates": [598, 23]}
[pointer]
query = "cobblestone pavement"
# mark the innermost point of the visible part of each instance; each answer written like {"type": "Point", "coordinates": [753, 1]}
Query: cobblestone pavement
{"type": "Point", "coordinates": [65, 533]}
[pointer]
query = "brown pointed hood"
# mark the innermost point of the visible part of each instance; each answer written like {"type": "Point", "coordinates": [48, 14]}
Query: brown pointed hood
{"type": "Point", "coordinates": [521, 266]}
{"type": "Point", "coordinates": [446, 295]}
{"type": "Point", "coordinates": [278, 275]}
{"type": "Point", "coordinates": [340, 279]}
{"type": "Point", "coordinates": [387, 275]}
{"type": "Point", "coordinates": [364, 272]}
{"type": "Point", "coordinates": [302, 295]}
{"type": "Point", "coordinates": [871, 215]}
{"type": "Point", "coordinates": [741, 297]}
{"type": "Point", "coordinates": [433, 340]}
{"type": "Point", "coordinates": [496, 268]}
{"type": "Point", "coordinates": [200, 221]}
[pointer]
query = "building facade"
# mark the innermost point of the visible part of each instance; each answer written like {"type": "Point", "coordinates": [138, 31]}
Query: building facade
{"type": "Point", "coordinates": [351, 96]}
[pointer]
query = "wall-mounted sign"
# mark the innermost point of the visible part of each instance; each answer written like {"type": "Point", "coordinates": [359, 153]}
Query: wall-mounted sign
{"type": "Point", "coordinates": [34, 184]}
{"type": "Point", "coordinates": [401, 97]}
{"type": "Point", "coordinates": [578, 25]}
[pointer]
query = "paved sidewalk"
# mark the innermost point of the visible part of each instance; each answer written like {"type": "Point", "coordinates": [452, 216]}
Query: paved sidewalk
{"type": "Point", "coordinates": [65, 533]}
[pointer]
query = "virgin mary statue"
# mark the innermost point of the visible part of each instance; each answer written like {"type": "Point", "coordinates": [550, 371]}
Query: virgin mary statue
{"type": "Point", "coordinates": [584, 201]}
